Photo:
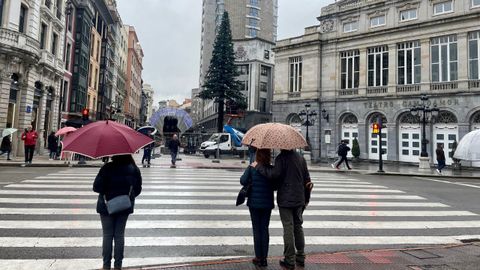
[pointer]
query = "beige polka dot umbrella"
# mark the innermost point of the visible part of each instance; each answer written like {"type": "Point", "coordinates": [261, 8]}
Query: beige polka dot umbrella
{"type": "Point", "coordinates": [274, 136]}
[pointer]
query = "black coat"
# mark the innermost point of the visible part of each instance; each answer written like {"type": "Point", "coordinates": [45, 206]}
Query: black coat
{"type": "Point", "coordinates": [52, 143]}
{"type": "Point", "coordinates": [291, 174]}
{"type": "Point", "coordinates": [114, 180]}
{"type": "Point", "coordinates": [173, 145]}
{"type": "Point", "coordinates": [6, 144]}
{"type": "Point", "coordinates": [261, 192]}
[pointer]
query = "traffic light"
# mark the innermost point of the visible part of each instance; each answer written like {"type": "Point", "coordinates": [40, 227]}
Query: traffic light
{"type": "Point", "coordinates": [85, 114]}
{"type": "Point", "coordinates": [375, 128]}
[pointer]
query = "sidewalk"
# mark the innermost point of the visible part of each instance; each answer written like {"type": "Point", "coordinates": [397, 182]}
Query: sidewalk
{"type": "Point", "coordinates": [449, 257]}
{"type": "Point", "coordinates": [229, 162]}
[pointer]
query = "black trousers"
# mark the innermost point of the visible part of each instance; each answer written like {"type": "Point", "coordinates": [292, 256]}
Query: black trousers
{"type": "Point", "coordinates": [261, 237]}
{"type": "Point", "coordinates": [147, 155]}
{"type": "Point", "coordinates": [342, 159]}
{"type": "Point", "coordinates": [113, 227]}
{"type": "Point", "coordinates": [29, 149]}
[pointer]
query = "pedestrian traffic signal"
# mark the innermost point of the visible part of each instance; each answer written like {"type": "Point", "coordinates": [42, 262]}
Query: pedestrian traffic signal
{"type": "Point", "coordinates": [85, 113]}
{"type": "Point", "coordinates": [375, 128]}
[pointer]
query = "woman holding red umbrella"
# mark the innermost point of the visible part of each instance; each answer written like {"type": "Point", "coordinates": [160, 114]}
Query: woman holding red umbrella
{"type": "Point", "coordinates": [117, 178]}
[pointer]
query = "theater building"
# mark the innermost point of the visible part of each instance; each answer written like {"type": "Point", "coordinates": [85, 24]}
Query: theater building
{"type": "Point", "coordinates": [367, 60]}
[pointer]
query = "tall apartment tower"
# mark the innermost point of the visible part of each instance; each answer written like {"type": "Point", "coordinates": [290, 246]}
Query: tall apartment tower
{"type": "Point", "coordinates": [254, 32]}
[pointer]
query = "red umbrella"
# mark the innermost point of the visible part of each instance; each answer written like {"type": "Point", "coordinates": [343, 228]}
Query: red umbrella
{"type": "Point", "coordinates": [65, 130]}
{"type": "Point", "coordinates": [105, 138]}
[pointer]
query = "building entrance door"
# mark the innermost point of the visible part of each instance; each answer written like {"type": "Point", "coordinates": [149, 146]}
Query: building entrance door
{"type": "Point", "coordinates": [444, 134]}
{"type": "Point", "coordinates": [409, 143]}
{"type": "Point", "coordinates": [373, 152]}
{"type": "Point", "coordinates": [349, 133]}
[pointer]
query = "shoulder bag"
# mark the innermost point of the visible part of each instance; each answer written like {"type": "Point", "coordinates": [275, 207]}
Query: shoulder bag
{"type": "Point", "coordinates": [119, 203]}
{"type": "Point", "coordinates": [244, 191]}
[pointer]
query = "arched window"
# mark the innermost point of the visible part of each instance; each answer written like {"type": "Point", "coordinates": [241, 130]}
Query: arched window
{"type": "Point", "coordinates": [446, 117]}
{"type": "Point", "coordinates": [476, 118]}
{"type": "Point", "coordinates": [409, 118]}
{"type": "Point", "coordinates": [374, 117]}
{"type": "Point", "coordinates": [350, 119]}
{"type": "Point", "coordinates": [294, 119]}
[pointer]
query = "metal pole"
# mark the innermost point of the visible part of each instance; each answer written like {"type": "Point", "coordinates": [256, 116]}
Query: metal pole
{"type": "Point", "coordinates": [424, 140]}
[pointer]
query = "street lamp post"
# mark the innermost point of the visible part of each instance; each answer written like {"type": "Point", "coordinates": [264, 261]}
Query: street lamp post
{"type": "Point", "coordinates": [425, 112]}
{"type": "Point", "coordinates": [308, 119]}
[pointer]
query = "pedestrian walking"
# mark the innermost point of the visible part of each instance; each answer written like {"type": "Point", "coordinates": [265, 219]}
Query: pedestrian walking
{"type": "Point", "coordinates": [291, 175]}
{"type": "Point", "coordinates": [116, 178]}
{"type": "Point", "coordinates": [260, 204]}
{"type": "Point", "coordinates": [251, 154]}
{"type": "Point", "coordinates": [6, 146]}
{"type": "Point", "coordinates": [173, 146]}
{"type": "Point", "coordinates": [342, 151]}
{"type": "Point", "coordinates": [52, 145]}
{"type": "Point", "coordinates": [440, 158]}
{"type": "Point", "coordinates": [29, 137]}
{"type": "Point", "coordinates": [147, 152]}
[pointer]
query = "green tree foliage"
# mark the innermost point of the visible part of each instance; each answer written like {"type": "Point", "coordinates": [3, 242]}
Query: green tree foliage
{"type": "Point", "coordinates": [355, 148]}
{"type": "Point", "coordinates": [220, 82]}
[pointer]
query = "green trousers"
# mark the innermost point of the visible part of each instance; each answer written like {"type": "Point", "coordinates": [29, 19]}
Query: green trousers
{"type": "Point", "coordinates": [293, 237]}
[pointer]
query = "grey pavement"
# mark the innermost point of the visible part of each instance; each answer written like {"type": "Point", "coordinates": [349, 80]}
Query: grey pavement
{"type": "Point", "coordinates": [230, 162]}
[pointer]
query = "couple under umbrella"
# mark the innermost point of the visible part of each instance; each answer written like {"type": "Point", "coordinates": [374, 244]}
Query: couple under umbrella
{"type": "Point", "coordinates": [117, 183]}
{"type": "Point", "coordinates": [290, 177]}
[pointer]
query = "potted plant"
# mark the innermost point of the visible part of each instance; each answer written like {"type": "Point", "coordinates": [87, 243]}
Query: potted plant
{"type": "Point", "coordinates": [355, 149]}
{"type": "Point", "coordinates": [456, 162]}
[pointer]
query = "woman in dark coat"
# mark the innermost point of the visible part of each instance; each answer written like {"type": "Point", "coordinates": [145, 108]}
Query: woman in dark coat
{"type": "Point", "coordinates": [119, 177]}
{"type": "Point", "coordinates": [6, 146]}
{"type": "Point", "coordinates": [260, 203]}
{"type": "Point", "coordinates": [52, 145]}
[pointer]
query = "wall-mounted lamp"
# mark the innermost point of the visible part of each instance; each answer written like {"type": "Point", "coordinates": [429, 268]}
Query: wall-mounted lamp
{"type": "Point", "coordinates": [325, 115]}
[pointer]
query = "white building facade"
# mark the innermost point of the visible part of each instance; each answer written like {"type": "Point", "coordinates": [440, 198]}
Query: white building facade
{"type": "Point", "coordinates": [368, 60]}
{"type": "Point", "coordinates": [31, 66]}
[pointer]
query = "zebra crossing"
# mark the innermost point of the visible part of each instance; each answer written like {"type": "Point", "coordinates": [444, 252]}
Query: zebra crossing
{"type": "Point", "coordinates": [49, 222]}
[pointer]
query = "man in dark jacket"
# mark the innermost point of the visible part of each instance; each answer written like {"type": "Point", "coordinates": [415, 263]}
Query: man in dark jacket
{"type": "Point", "coordinates": [342, 152]}
{"type": "Point", "coordinates": [292, 178]}
{"type": "Point", "coordinates": [6, 146]}
{"type": "Point", "coordinates": [173, 146]}
{"type": "Point", "coordinates": [440, 158]}
{"type": "Point", "coordinates": [52, 145]}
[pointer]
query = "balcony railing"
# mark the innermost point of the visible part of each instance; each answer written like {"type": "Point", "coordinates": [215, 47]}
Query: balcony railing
{"type": "Point", "coordinates": [474, 84]}
{"type": "Point", "coordinates": [348, 92]}
{"type": "Point", "coordinates": [408, 88]}
{"type": "Point", "coordinates": [377, 90]}
{"type": "Point", "coordinates": [443, 86]}
{"type": "Point", "coordinates": [19, 41]}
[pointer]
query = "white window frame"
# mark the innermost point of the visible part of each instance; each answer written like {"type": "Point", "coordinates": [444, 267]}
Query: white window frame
{"type": "Point", "coordinates": [442, 4]}
{"type": "Point", "coordinates": [295, 74]}
{"type": "Point", "coordinates": [379, 51]}
{"type": "Point", "coordinates": [444, 42]}
{"type": "Point", "coordinates": [474, 37]}
{"type": "Point", "coordinates": [409, 12]}
{"type": "Point", "coordinates": [412, 47]}
{"type": "Point", "coordinates": [477, 5]}
{"type": "Point", "coordinates": [352, 27]}
{"type": "Point", "coordinates": [376, 21]}
{"type": "Point", "coordinates": [350, 57]}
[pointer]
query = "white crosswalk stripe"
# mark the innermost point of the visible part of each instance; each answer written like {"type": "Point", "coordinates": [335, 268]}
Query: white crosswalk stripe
{"type": "Point", "coordinates": [182, 208]}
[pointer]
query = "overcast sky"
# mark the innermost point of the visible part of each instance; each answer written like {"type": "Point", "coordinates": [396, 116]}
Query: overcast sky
{"type": "Point", "coordinates": [169, 32]}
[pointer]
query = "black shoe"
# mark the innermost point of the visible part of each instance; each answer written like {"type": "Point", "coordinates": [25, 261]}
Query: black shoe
{"type": "Point", "coordinates": [286, 265]}
{"type": "Point", "coordinates": [299, 263]}
{"type": "Point", "coordinates": [264, 263]}
{"type": "Point", "coordinates": [257, 261]}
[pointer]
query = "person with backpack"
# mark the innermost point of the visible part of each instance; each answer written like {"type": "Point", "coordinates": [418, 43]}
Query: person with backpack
{"type": "Point", "coordinates": [342, 152]}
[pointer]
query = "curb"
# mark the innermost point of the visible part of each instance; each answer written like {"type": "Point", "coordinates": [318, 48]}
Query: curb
{"type": "Point", "coordinates": [216, 263]}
